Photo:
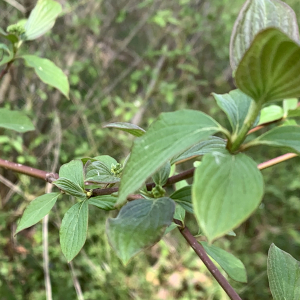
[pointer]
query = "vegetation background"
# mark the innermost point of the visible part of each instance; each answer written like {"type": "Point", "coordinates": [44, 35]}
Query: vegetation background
{"type": "Point", "coordinates": [127, 61]}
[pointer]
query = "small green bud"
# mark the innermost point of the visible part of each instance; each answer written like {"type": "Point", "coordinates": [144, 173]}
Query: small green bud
{"type": "Point", "coordinates": [158, 191]}
{"type": "Point", "coordinates": [17, 29]}
{"type": "Point", "coordinates": [116, 169]}
{"type": "Point", "coordinates": [89, 194]}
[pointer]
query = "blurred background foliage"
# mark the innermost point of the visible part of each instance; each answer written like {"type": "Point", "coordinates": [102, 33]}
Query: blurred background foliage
{"type": "Point", "coordinates": [127, 61]}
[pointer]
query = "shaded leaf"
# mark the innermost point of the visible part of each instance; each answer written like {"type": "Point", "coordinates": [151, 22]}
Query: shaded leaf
{"type": "Point", "coordinates": [178, 215]}
{"type": "Point", "coordinates": [15, 120]}
{"type": "Point", "coordinates": [183, 197]}
{"type": "Point", "coordinates": [70, 188]}
{"type": "Point", "coordinates": [5, 48]}
{"type": "Point", "coordinates": [162, 175]}
{"type": "Point", "coordinates": [106, 202]}
{"type": "Point", "coordinates": [283, 274]}
{"type": "Point", "coordinates": [270, 113]}
{"type": "Point", "coordinates": [169, 135]}
{"type": "Point", "coordinates": [255, 16]}
{"type": "Point", "coordinates": [37, 210]}
{"type": "Point", "coordinates": [226, 191]}
{"type": "Point", "coordinates": [48, 72]}
{"type": "Point", "coordinates": [73, 230]}
{"type": "Point", "coordinates": [127, 127]}
{"type": "Point", "coordinates": [212, 144]}
{"type": "Point", "coordinates": [99, 172]}
{"type": "Point", "coordinates": [228, 262]}
{"type": "Point", "coordinates": [73, 171]}
{"type": "Point", "coordinates": [282, 136]}
{"type": "Point", "coordinates": [140, 224]}
{"type": "Point", "coordinates": [270, 68]}
{"type": "Point", "coordinates": [41, 19]}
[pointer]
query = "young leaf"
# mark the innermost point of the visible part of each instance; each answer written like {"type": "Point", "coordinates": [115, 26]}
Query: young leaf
{"type": "Point", "coordinates": [162, 175]}
{"type": "Point", "coordinates": [169, 135]}
{"type": "Point", "coordinates": [226, 191]}
{"type": "Point", "coordinates": [213, 143]}
{"type": "Point", "coordinates": [73, 171]}
{"type": "Point", "coordinates": [106, 202]}
{"type": "Point", "coordinates": [99, 172]}
{"type": "Point", "coordinates": [228, 262]}
{"type": "Point", "coordinates": [37, 210]}
{"type": "Point", "coordinates": [183, 197]}
{"type": "Point", "coordinates": [255, 16]}
{"type": "Point", "coordinates": [283, 136]}
{"type": "Point", "coordinates": [4, 48]}
{"type": "Point", "coordinates": [270, 113]}
{"type": "Point", "coordinates": [70, 188]}
{"type": "Point", "coordinates": [15, 120]}
{"type": "Point", "coordinates": [140, 224]}
{"type": "Point", "coordinates": [289, 104]}
{"type": "Point", "coordinates": [73, 230]}
{"type": "Point", "coordinates": [178, 215]}
{"type": "Point", "coordinates": [127, 127]}
{"type": "Point", "coordinates": [41, 19]}
{"type": "Point", "coordinates": [269, 70]}
{"type": "Point", "coordinates": [236, 106]}
{"type": "Point", "coordinates": [48, 72]}
{"type": "Point", "coordinates": [294, 113]}
{"type": "Point", "coordinates": [283, 274]}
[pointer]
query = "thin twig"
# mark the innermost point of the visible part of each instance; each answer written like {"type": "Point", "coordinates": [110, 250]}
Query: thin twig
{"type": "Point", "coordinates": [276, 160]}
{"type": "Point", "coordinates": [199, 250]}
{"type": "Point", "coordinates": [76, 282]}
{"type": "Point", "coordinates": [16, 5]}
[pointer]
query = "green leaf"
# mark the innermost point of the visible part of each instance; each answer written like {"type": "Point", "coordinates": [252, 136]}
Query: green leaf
{"type": "Point", "coordinates": [228, 262]}
{"type": "Point", "coordinates": [9, 36]}
{"type": "Point", "coordinates": [48, 72]}
{"type": "Point", "coordinates": [162, 175]}
{"type": "Point", "coordinates": [270, 113]}
{"type": "Point", "coordinates": [15, 120]}
{"type": "Point", "coordinates": [73, 171]}
{"type": "Point", "coordinates": [127, 127]}
{"type": "Point", "coordinates": [183, 197]}
{"type": "Point", "coordinates": [212, 144]}
{"type": "Point", "coordinates": [236, 106]}
{"type": "Point", "coordinates": [73, 230]}
{"type": "Point", "coordinates": [289, 104]}
{"type": "Point", "coordinates": [106, 202]}
{"type": "Point", "coordinates": [99, 172]}
{"type": "Point", "coordinates": [140, 224]}
{"type": "Point", "coordinates": [169, 135]}
{"type": "Point", "coordinates": [70, 188]}
{"type": "Point", "coordinates": [5, 48]}
{"type": "Point", "coordinates": [282, 136]}
{"type": "Point", "coordinates": [178, 215]}
{"type": "Point", "coordinates": [294, 113]}
{"type": "Point", "coordinates": [255, 16]}
{"type": "Point", "coordinates": [269, 70]}
{"type": "Point", "coordinates": [283, 274]}
{"type": "Point", "coordinates": [226, 191]}
{"type": "Point", "coordinates": [37, 210]}
{"type": "Point", "coordinates": [41, 19]}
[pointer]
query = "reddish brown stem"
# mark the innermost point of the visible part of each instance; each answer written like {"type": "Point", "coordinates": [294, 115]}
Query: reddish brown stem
{"type": "Point", "coordinates": [199, 250]}
{"type": "Point", "coordinates": [5, 70]}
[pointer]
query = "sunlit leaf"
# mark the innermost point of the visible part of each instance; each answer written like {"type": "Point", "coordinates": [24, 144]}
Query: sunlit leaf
{"type": "Point", "coordinates": [226, 191]}
{"type": "Point", "coordinates": [255, 16]}
{"type": "Point", "coordinates": [73, 171]}
{"type": "Point", "coordinates": [15, 120]}
{"type": "Point", "coordinates": [70, 188]}
{"type": "Point", "coordinates": [270, 113]}
{"type": "Point", "coordinates": [283, 274]}
{"type": "Point", "coordinates": [37, 210]}
{"type": "Point", "coordinates": [48, 72]}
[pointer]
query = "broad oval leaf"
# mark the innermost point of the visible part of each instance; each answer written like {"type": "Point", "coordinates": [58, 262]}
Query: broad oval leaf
{"type": "Point", "coordinates": [283, 274]}
{"type": "Point", "coordinates": [106, 202]}
{"type": "Point", "coordinates": [213, 143]}
{"type": "Point", "coordinates": [169, 135]}
{"type": "Point", "coordinates": [269, 70]}
{"type": "Point", "coordinates": [127, 127]}
{"type": "Point", "coordinates": [41, 19]}
{"type": "Point", "coordinates": [255, 16]}
{"type": "Point", "coordinates": [270, 113]}
{"type": "Point", "coordinates": [183, 197]}
{"type": "Point", "coordinates": [49, 73]}
{"type": "Point", "coordinates": [99, 172]}
{"type": "Point", "coordinates": [37, 210]}
{"type": "Point", "coordinates": [70, 188]}
{"type": "Point", "coordinates": [15, 120]}
{"type": "Point", "coordinates": [140, 224]}
{"type": "Point", "coordinates": [73, 230]}
{"type": "Point", "coordinates": [227, 261]}
{"type": "Point", "coordinates": [236, 105]}
{"type": "Point", "coordinates": [73, 171]}
{"type": "Point", "coordinates": [226, 191]}
{"type": "Point", "coordinates": [283, 136]}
